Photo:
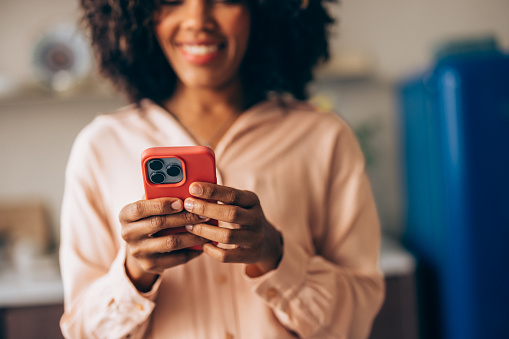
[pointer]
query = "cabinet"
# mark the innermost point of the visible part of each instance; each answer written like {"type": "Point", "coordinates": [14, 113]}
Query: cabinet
{"type": "Point", "coordinates": [31, 304]}
{"type": "Point", "coordinates": [398, 317]}
{"type": "Point", "coordinates": [31, 322]}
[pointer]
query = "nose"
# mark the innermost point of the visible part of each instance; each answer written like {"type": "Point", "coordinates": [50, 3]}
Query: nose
{"type": "Point", "coordinates": [198, 15]}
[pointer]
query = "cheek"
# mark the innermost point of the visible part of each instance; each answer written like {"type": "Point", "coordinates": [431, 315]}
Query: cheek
{"type": "Point", "coordinates": [159, 33]}
{"type": "Point", "coordinates": [239, 24]}
{"type": "Point", "coordinates": [163, 27]}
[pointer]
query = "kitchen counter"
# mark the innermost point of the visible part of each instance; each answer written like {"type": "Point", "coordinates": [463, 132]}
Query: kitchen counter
{"type": "Point", "coordinates": [41, 285]}
{"type": "Point", "coordinates": [33, 293]}
{"type": "Point", "coordinates": [395, 260]}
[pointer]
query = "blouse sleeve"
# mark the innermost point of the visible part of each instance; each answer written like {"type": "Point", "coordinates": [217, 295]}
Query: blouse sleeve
{"type": "Point", "coordinates": [100, 301]}
{"type": "Point", "coordinates": [337, 291]}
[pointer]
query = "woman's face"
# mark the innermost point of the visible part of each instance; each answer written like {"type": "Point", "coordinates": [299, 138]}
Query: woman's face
{"type": "Point", "coordinates": [204, 40]}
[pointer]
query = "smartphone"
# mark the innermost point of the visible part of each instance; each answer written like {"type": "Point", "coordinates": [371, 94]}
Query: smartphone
{"type": "Point", "coordinates": [169, 171]}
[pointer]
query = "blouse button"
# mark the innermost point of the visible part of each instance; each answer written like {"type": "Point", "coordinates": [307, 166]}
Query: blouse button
{"type": "Point", "coordinates": [272, 293]}
{"type": "Point", "coordinates": [139, 306]}
{"type": "Point", "coordinates": [221, 279]}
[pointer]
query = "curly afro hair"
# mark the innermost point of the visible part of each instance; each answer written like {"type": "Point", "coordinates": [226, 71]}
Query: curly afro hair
{"type": "Point", "coordinates": [286, 42]}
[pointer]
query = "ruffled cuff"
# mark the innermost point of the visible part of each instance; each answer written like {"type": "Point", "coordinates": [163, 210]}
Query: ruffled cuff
{"type": "Point", "coordinates": [124, 306]}
{"type": "Point", "coordinates": [279, 286]}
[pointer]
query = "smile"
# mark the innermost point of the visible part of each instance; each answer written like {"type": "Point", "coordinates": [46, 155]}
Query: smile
{"type": "Point", "coordinates": [200, 53]}
{"type": "Point", "coordinates": [200, 49]}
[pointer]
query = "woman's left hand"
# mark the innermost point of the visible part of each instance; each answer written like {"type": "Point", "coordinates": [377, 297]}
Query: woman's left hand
{"type": "Point", "coordinates": [256, 242]}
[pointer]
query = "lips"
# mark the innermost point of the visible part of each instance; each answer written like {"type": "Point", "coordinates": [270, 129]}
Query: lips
{"type": "Point", "coordinates": [200, 49]}
{"type": "Point", "coordinates": [200, 53]}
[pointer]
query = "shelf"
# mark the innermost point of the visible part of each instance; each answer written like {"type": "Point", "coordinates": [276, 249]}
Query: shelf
{"type": "Point", "coordinates": [33, 95]}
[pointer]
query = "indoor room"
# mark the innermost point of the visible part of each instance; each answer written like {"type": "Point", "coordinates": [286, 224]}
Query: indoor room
{"type": "Point", "coordinates": [423, 86]}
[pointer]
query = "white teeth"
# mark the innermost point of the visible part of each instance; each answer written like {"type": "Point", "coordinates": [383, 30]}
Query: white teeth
{"type": "Point", "coordinates": [200, 49]}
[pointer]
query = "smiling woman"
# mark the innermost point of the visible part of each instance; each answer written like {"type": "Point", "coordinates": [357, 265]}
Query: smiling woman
{"type": "Point", "coordinates": [204, 42]}
{"type": "Point", "coordinates": [294, 252]}
{"type": "Point", "coordinates": [129, 55]}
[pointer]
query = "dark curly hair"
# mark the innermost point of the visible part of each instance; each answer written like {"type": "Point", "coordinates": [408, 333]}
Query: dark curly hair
{"type": "Point", "coordinates": [286, 42]}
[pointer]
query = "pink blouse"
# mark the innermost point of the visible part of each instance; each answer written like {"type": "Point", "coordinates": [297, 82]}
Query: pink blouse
{"type": "Point", "coordinates": [308, 171]}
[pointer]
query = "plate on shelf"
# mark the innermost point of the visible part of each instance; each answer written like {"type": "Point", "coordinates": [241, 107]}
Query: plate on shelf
{"type": "Point", "coordinates": [61, 58]}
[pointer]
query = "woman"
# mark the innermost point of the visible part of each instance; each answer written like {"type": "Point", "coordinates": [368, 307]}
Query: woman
{"type": "Point", "coordinates": [297, 247]}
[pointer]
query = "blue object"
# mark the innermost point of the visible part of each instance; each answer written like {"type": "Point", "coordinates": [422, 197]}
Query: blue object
{"type": "Point", "coordinates": [455, 134]}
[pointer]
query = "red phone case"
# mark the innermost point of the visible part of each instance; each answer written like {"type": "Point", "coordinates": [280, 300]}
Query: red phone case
{"type": "Point", "coordinates": [198, 164]}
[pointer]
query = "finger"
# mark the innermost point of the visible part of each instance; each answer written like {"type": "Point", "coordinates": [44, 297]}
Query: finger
{"type": "Point", "coordinates": [227, 195]}
{"type": "Point", "coordinates": [223, 235]}
{"type": "Point", "coordinates": [237, 255]}
{"type": "Point", "coordinates": [158, 263]}
{"type": "Point", "coordinates": [149, 226]}
{"type": "Point", "coordinates": [165, 244]}
{"type": "Point", "coordinates": [145, 208]}
{"type": "Point", "coordinates": [227, 213]}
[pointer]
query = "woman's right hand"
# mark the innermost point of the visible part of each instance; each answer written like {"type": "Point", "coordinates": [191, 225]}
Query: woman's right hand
{"type": "Point", "coordinates": [149, 254]}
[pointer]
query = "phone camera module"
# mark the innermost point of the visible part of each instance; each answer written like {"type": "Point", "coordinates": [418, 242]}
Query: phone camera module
{"type": "Point", "coordinates": [166, 170]}
{"type": "Point", "coordinates": [173, 170]}
{"type": "Point", "coordinates": [156, 164]}
{"type": "Point", "coordinates": [157, 177]}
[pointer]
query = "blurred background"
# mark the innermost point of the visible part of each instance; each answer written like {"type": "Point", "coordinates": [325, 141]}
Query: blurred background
{"type": "Point", "coordinates": [391, 60]}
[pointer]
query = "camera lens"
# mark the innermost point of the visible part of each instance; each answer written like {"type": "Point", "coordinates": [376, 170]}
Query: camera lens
{"type": "Point", "coordinates": [157, 177]}
{"type": "Point", "coordinates": [173, 170]}
{"type": "Point", "coordinates": [156, 164]}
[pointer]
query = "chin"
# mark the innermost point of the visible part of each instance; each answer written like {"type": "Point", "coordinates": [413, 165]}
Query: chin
{"type": "Point", "coordinates": [204, 82]}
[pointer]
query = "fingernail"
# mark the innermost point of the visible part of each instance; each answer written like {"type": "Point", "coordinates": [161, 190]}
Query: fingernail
{"type": "Point", "coordinates": [196, 189]}
{"type": "Point", "coordinates": [189, 204]}
{"type": "Point", "coordinates": [189, 227]}
{"type": "Point", "coordinates": [177, 205]}
{"type": "Point", "coordinates": [203, 217]}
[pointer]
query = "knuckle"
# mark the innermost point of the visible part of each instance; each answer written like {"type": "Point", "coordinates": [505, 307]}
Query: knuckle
{"type": "Point", "coordinates": [153, 265]}
{"type": "Point", "coordinates": [222, 256]}
{"type": "Point", "coordinates": [135, 251]}
{"type": "Point", "coordinates": [197, 229]}
{"type": "Point", "coordinates": [136, 209]}
{"type": "Point", "coordinates": [147, 264]}
{"type": "Point", "coordinates": [234, 197]}
{"type": "Point", "coordinates": [209, 192]}
{"type": "Point", "coordinates": [227, 237]}
{"type": "Point", "coordinates": [161, 206]}
{"type": "Point", "coordinates": [173, 242]}
{"type": "Point", "coordinates": [157, 222]}
{"type": "Point", "coordinates": [232, 214]}
{"type": "Point", "coordinates": [199, 208]}
{"type": "Point", "coordinates": [189, 218]}
{"type": "Point", "coordinates": [122, 216]}
{"type": "Point", "coordinates": [254, 197]}
{"type": "Point", "coordinates": [126, 235]}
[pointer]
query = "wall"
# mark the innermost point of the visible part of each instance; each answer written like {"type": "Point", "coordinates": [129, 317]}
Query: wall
{"type": "Point", "coordinates": [35, 140]}
{"type": "Point", "coordinates": [399, 35]}
{"type": "Point", "coordinates": [21, 24]}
